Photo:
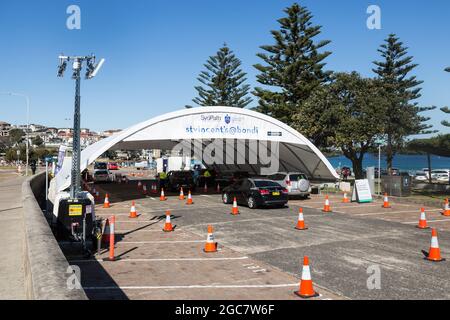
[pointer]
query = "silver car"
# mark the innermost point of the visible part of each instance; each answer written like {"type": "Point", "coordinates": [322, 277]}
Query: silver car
{"type": "Point", "coordinates": [296, 183]}
{"type": "Point", "coordinates": [101, 176]}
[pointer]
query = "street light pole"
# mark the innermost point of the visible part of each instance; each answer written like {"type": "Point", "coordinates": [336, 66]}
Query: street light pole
{"type": "Point", "coordinates": [76, 148]}
{"type": "Point", "coordinates": [28, 123]}
{"type": "Point", "coordinates": [91, 72]}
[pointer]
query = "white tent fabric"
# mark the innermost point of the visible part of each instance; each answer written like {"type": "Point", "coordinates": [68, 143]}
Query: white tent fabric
{"type": "Point", "coordinates": [296, 153]}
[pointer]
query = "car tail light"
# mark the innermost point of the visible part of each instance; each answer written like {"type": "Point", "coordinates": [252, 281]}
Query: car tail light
{"type": "Point", "coordinates": [264, 192]}
{"type": "Point", "coordinates": [288, 182]}
{"type": "Point", "coordinates": [285, 191]}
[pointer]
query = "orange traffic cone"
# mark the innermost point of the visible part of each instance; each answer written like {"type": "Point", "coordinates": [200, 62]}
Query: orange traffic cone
{"type": "Point", "coordinates": [162, 197]}
{"type": "Point", "coordinates": [144, 189]}
{"type": "Point", "coordinates": [327, 207]}
{"type": "Point", "coordinates": [235, 209]}
{"type": "Point", "coordinates": [306, 285]}
{"type": "Point", "coordinates": [435, 253]}
{"type": "Point", "coordinates": [189, 199]}
{"type": "Point", "coordinates": [218, 188]}
{"type": "Point", "coordinates": [133, 213]}
{"type": "Point", "coordinates": [106, 231]}
{"type": "Point", "coordinates": [345, 199]}
{"type": "Point", "coordinates": [210, 245]}
{"type": "Point", "coordinates": [181, 197]}
{"type": "Point", "coordinates": [205, 188]}
{"type": "Point", "coordinates": [139, 185]}
{"type": "Point", "coordinates": [446, 211]}
{"type": "Point", "coordinates": [106, 203]}
{"type": "Point", "coordinates": [423, 220]}
{"type": "Point", "coordinates": [168, 225]}
{"type": "Point", "coordinates": [112, 257]}
{"type": "Point", "coordinates": [386, 201]}
{"type": "Point", "coordinates": [301, 221]}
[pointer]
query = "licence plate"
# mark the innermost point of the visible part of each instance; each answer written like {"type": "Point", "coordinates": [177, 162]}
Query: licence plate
{"type": "Point", "coordinates": [275, 193]}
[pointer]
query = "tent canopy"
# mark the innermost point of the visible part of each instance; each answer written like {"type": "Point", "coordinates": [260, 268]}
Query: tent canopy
{"type": "Point", "coordinates": [235, 128]}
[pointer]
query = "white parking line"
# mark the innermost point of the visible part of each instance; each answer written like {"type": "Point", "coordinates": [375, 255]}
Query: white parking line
{"type": "Point", "coordinates": [387, 212]}
{"type": "Point", "coordinates": [218, 286]}
{"type": "Point", "coordinates": [250, 220]}
{"type": "Point", "coordinates": [162, 241]}
{"type": "Point", "coordinates": [161, 259]}
{"type": "Point", "coordinates": [438, 220]}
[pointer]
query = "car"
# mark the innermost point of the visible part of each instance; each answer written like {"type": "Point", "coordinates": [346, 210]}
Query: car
{"type": "Point", "coordinates": [100, 166]}
{"type": "Point", "coordinates": [443, 178]}
{"type": "Point", "coordinates": [421, 176]}
{"type": "Point", "coordinates": [296, 183]}
{"type": "Point", "coordinates": [113, 166]}
{"type": "Point", "coordinates": [101, 176]}
{"type": "Point", "coordinates": [255, 192]}
{"type": "Point", "coordinates": [178, 179]}
{"type": "Point", "coordinates": [435, 174]}
{"type": "Point", "coordinates": [383, 172]}
{"type": "Point", "coordinates": [143, 165]}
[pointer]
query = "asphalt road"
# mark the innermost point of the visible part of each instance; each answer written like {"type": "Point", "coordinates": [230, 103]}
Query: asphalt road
{"type": "Point", "coordinates": [341, 246]}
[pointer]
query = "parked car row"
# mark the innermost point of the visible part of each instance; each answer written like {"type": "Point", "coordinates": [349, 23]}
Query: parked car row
{"type": "Point", "coordinates": [438, 175]}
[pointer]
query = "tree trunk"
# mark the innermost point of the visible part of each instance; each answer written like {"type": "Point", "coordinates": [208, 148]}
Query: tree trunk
{"type": "Point", "coordinates": [358, 167]}
{"type": "Point", "coordinates": [389, 155]}
{"type": "Point", "coordinates": [356, 160]}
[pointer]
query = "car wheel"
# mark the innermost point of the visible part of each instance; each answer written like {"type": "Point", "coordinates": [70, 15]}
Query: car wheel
{"type": "Point", "coordinates": [226, 198]}
{"type": "Point", "coordinates": [251, 202]}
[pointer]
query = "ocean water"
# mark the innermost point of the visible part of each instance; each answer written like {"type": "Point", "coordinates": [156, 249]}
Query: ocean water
{"type": "Point", "coordinates": [404, 162]}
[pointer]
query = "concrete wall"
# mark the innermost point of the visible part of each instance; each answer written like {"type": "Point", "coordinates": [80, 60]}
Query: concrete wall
{"type": "Point", "coordinates": [45, 265]}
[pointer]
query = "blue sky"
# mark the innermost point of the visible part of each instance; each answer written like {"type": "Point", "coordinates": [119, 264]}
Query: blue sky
{"type": "Point", "coordinates": [155, 50]}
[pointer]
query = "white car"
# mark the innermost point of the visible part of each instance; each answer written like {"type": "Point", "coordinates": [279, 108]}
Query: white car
{"type": "Point", "coordinates": [436, 174]}
{"type": "Point", "coordinates": [101, 176]}
{"type": "Point", "coordinates": [421, 176]}
{"type": "Point", "coordinates": [443, 178]}
{"type": "Point", "coordinates": [296, 183]}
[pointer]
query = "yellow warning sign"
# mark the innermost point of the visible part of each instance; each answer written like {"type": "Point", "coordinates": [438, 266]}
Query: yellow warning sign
{"type": "Point", "coordinates": [75, 210]}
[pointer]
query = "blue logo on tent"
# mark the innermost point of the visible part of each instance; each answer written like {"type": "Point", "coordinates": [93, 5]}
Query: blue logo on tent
{"type": "Point", "coordinates": [227, 119]}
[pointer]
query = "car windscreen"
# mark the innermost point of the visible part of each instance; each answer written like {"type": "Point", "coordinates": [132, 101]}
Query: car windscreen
{"type": "Point", "coordinates": [100, 166]}
{"type": "Point", "coordinates": [277, 177]}
{"type": "Point", "coordinates": [296, 177]}
{"type": "Point", "coordinates": [266, 183]}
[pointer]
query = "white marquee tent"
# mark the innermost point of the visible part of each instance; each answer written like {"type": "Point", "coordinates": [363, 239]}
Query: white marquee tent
{"type": "Point", "coordinates": [205, 124]}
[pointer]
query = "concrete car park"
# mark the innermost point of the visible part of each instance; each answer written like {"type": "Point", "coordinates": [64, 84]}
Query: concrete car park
{"type": "Point", "coordinates": [260, 251]}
